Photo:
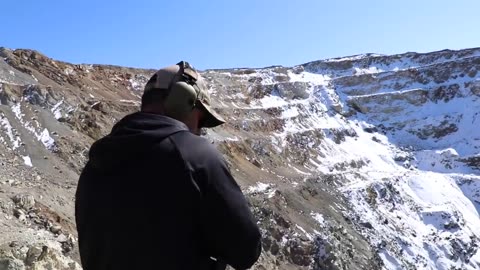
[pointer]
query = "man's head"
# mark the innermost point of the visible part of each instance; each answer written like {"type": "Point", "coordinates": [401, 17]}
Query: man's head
{"type": "Point", "coordinates": [179, 92]}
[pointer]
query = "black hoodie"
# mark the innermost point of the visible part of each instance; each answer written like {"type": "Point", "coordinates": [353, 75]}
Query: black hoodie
{"type": "Point", "coordinates": [155, 196]}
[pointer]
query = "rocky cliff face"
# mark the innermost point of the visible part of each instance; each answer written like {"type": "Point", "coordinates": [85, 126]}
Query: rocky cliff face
{"type": "Point", "coordinates": [366, 162]}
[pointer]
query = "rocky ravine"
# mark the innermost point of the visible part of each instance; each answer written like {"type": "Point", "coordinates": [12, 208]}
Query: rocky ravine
{"type": "Point", "coordinates": [366, 162]}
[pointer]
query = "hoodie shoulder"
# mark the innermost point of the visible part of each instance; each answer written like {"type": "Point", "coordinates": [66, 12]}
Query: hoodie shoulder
{"type": "Point", "coordinates": [197, 151]}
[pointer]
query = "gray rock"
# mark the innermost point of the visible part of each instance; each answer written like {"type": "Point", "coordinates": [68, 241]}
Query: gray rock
{"type": "Point", "coordinates": [20, 253]}
{"type": "Point", "coordinates": [11, 264]}
{"type": "Point", "coordinates": [55, 228]}
{"type": "Point", "coordinates": [62, 238]}
{"type": "Point", "coordinates": [18, 213]}
{"type": "Point", "coordinates": [295, 90]}
{"type": "Point", "coordinates": [32, 255]}
{"type": "Point", "coordinates": [24, 201]}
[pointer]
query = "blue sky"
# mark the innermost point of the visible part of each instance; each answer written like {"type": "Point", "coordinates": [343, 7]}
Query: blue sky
{"type": "Point", "coordinates": [224, 34]}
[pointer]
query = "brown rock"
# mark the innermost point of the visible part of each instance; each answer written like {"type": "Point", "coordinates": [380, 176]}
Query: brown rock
{"type": "Point", "coordinates": [55, 228]}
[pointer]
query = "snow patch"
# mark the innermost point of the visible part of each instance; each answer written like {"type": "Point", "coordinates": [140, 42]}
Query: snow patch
{"type": "Point", "coordinates": [260, 187]}
{"type": "Point", "coordinates": [271, 193]}
{"type": "Point", "coordinates": [389, 261]}
{"type": "Point", "coordinates": [301, 172]}
{"type": "Point", "coordinates": [27, 160]}
{"type": "Point", "coordinates": [271, 101]}
{"type": "Point", "coordinates": [69, 71]}
{"type": "Point", "coordinates": [369, 70]}
{"type": "Point", "coordinates": [309, 236]}
{"type": "Point", "coordinates": [351, 58]}
{"type": "Point", "coordinates": [133, 102]}
{"type": "Point", "coordinates": [17, 111]}
{"type": "Point", "coordinates": [445, 161]}
{"type": "Point", "coordinates": [319, 218]}
{"type": "Point", "coordinates": [309, 77]}
{"type": "Point", "coordinates": [46, 140]}
{"type": "Point", "coordinates": [138, 82]}
{"type": "Point", "coordinates": [57, 111]}
{"type": "Point", "coordinates": [7, 128]}
{"type": "Point", "coordinates": [290, 112]}
{"type": "Point", "coordinates": [135, 85]}
{"type": "Point", "coordinates": [43, 136]}
{"type": "Point", "coordinates": [88, 68]}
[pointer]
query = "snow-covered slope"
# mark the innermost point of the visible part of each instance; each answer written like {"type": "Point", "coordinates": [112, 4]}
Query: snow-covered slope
{"type": "Point", "coordinates": [401, 134]}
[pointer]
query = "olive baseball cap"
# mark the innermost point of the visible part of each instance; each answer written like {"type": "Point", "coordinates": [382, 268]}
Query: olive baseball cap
{"type": "Point", "coordinates": [164, 78]}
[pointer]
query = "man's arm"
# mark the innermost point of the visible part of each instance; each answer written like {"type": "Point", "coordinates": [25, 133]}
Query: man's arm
{"type": "Point", "coordinates": [230, 229]}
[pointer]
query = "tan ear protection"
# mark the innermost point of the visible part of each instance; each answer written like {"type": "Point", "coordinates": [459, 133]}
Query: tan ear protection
{"type": "Point", "coordinates": [182, 93]}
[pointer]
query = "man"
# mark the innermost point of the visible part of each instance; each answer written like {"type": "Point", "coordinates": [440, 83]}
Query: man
{"type": "Point", "coordinates": [155, 195]}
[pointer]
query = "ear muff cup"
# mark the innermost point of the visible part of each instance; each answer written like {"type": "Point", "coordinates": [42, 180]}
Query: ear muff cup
{"type": "Point", "coordinates": [180, 100]}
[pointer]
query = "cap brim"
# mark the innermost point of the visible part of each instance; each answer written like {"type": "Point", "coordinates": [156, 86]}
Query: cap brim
{"type": "Point", "coordinates": [213, 118]}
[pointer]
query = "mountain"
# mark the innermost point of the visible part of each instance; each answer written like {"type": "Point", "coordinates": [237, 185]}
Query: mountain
{"type": "Point", "coordinates": [362, 162]}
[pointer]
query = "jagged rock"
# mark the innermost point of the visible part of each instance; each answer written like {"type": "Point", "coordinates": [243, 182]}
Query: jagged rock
{"type": "Point", "coordinates": [55, 228]}
{"type": "Point", "coordinates": [11, 264]}
{"type": "Point", "coordinates": [256, 163]}
{"type": "Point", "coordinates": [20, 252]}
{"type": "Point", "coordinates": [402, 157]}
{"type": "Point", "coordinates": [37, 257]}
{"type": "Point", "coordinates": [386, 102]}
{"type": "Point", "coordinates": [33, 254]}
{"type": "Point", "coordinates": [68, 243]}
{"type": "Point", "coordinates": [97, 106]}
{"type": "Point", "coordinates": [300, 253]}
{"type": "Point", "coordinates": [295, 90]}
{"type": "Point", "coordinates": [475, 88]}
{"type": "Point", "coordinates": [445, 93]}
{"type": "Point", "coordinates": [367, 225]}
{"type": "Point", "coordinates": [371, 129]}
{"type": "Point", "coordinates": [276, 233]}
{"type": "Point", "coordinates": [451, 225]}
{"type": "Point", "coordinates": [24, 201]}
{"type": "Point", "coordinates": [473, 162]}
{"type": "Point", "coordinates": [274, 249]}
{"type": "Point", "coordinates": [443, 129]}
{"type": "Point", "coordinates": [18, 213]}
{"type": "Point", "coordinates": [34, 95]}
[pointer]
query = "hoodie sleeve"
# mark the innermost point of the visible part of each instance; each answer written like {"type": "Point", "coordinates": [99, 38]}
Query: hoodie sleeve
{"type": "Point", "coordinates": [231, 232]}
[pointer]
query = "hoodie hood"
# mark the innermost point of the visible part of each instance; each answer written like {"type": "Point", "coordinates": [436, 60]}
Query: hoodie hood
{"type": "Point", "coordinates": [134, 134]}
